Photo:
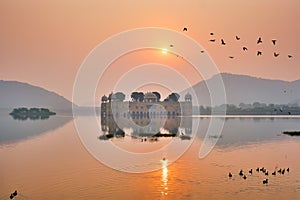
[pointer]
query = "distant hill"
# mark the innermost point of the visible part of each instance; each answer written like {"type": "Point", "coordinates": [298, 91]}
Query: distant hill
{"type": "Point", "coordinates": [16, 94]}
{"type": "Point", "coordinates": [247, 89]}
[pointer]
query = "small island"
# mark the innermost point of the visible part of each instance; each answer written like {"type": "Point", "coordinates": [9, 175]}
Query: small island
{"type": "Point", "coordinates": [31, 113]}
{"type": "Point", "coordinates": [292, 133]}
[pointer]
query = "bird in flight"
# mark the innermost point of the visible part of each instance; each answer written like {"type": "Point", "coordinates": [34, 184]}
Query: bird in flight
{"type": "Point", "coordinates": [185, 29]}
{"type": "Point", "coordinates": [237, 38]}
{"type": "Point", "coordinates": [274, 41]}
{"type": "Point", "coordinates": [290, 56]}
{"type": "Point", "coordinates": [276, 54]}
{"type": "Point", "coordinates": [245, 48]}
{"type": "Point", "coordinates": [259, 40]}
{"type": "Point", "coordinates": [259, 53]}
{"type": "Point", "coordinates": [212, 40]}
{"type": "Point", "coordinates": [222, 42]}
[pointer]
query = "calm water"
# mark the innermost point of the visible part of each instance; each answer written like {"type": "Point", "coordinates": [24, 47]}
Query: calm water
{"type": "Point", "coordinates": [46, 160]}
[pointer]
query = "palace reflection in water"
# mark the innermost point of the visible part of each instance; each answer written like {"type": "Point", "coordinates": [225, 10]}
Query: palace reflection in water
{"type": "Point", "coordinates": [160, 127]}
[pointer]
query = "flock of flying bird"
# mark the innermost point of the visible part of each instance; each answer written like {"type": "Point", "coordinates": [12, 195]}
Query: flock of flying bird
{"type": "Point", "coordinates": [263, 170]}
{"type": "Point", "coordinates": [259, 53]}
{"type": "Point", "coordinates": [244, 48]}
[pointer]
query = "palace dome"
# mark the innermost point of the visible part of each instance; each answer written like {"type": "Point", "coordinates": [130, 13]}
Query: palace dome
{"type": "Point", "coordinates": [150, 97]}
{"type": "Point", "coordinates": [104, 98]}
{"type": "Point", "coordinates": [188, 97]}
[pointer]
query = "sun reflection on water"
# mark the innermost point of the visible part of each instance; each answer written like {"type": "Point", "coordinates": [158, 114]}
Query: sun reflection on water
{"type": "Point", "coordinates": [164, 176]}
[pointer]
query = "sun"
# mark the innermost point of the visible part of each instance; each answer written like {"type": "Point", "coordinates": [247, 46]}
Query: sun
{"type": "Point", "coordinates": [164, 50]}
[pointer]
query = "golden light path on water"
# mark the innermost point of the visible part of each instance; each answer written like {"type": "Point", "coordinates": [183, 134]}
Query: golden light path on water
{"type": "Point", "coordinates": [164, 176]}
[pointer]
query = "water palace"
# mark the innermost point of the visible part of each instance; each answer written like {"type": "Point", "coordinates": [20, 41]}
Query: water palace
{"type": "Point", "coordinates": [149, 107]}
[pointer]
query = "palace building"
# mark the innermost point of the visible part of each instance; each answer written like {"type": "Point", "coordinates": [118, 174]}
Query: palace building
{"type": "Point", "coordinates": [147, 107]}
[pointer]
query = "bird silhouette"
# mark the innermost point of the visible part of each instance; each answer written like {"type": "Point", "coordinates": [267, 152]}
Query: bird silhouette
{"type": "Point", "coordinates": [231, 57]}
{"type": "Point", "coordinates": [244, 177]}
{"type": "Point", "coordinates": [229, 175]}
{"type": "Point", "coordinates": [274, 41]}
{"type": "Point", "coordinates": [11, 196]}
{"type": "Point", "coordinates": [237, 38]}
{"type": "Point", "coordinates": [245, 48]}
{"type": "Point", "coordinates": [222, 42]}
{"type": "Point", "coordinates": [276, 54]}
{"type": "Point", "coordinates": [267, 173]}
{"type": "Point", "coordinates": [211, 33]}
{"type": "Point", "coordinates": [266, 181]}
{"type": "Point", "coordinates": [289, 113]}
{"type": "Point", "coordinates": [241, 173]}
{"type": "Point", "coordinates": [288, 169]}
{"type": "Point", "coordinates": [257, 169]}
{"type": "Point", "coordinates": [15, 193]}
{"type": "Point", "coordinates": [185, 29]}
{"type": "Point", "coordinates": [290, 56]}
{"type": "Point", "coordinates": [274, 173]}
{"type": "Point", "coordinates": [212, 40]}
{"type": "Point", "coordinates": [259, 53]}
{"type": "Point", "coordinates": [279, 171]}
{"type": "Point", "coordinates": [282, 172]}
{"type": "Point", "coordinates": [202, 51]}
{"type": "Point", "coordinates": [250, 171]}
{"type": "Point", "coordinates": [259, 40]}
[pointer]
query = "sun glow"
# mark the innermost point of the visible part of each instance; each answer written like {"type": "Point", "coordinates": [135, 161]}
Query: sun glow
{"type": "Point", "coordinates": [164, 50]}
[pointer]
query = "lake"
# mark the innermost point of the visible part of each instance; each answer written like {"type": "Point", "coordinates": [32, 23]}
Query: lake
{"type": "Point", "coordinates": [46, 159]}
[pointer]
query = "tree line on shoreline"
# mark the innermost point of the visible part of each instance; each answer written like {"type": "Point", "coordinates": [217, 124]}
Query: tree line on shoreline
{"type": "Point", "coordinates": [255, 108]}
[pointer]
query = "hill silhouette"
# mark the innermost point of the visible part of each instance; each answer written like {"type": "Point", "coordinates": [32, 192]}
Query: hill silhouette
{"type": "Point", "coordinates": [248, 89]}
{"type": "Point", "coordinates": [16, 94]}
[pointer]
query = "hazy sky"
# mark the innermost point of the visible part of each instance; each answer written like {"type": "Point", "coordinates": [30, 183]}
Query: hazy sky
{"type": "Point", "coordinates": [44, 42]}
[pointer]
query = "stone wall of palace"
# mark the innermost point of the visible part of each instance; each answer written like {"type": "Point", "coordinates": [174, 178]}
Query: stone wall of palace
{"type": "Point", "coordinates": [146, 109]}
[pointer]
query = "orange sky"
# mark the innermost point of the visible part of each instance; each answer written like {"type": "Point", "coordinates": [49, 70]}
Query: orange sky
{"type": "Point", "coordinates": [44, 43]}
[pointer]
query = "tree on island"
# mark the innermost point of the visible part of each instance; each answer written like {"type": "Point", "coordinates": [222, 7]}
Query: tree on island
{"type": "Point", "coordinates": [173, 97]}
{"type": "Point", "coordinates": [157, 95]}
{"type": "Point", "coordinates": [120, 96]}
{"type": "Point", "coordinates": [135, 96]}
{"type": "Point", "coordinates": [141, 96]}
{"type": "Point", "coordinates": [111, 96]}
